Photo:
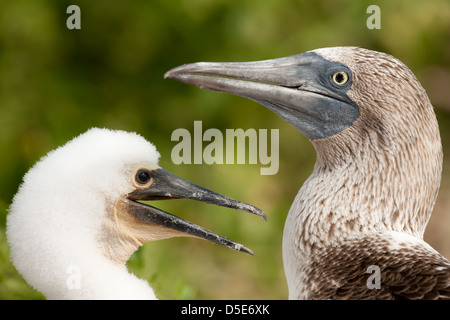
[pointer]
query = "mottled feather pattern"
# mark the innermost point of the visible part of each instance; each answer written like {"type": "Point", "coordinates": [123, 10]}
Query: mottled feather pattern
{"type": "Point", "coordinates": [413, 272]}
{"type": "Point", "coordinates": [380, 175]}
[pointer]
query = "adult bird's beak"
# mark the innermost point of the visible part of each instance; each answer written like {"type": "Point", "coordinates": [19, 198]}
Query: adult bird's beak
{"type": "Point", "coordinates": [164, 185]}
{"type": "Point", "coordinates": [298, 88]}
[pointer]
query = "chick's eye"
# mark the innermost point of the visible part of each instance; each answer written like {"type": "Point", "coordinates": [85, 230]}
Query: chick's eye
{"type": "Point", "coordinates": [340, 78]}
{"type": "Point", "coordinates": [143, 176]}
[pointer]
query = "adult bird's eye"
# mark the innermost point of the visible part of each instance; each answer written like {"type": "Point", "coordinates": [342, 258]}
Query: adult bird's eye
{"type": "Point", "coordinates": [340, 78]}
{"type": "Point", "coordinates": [143, 176]}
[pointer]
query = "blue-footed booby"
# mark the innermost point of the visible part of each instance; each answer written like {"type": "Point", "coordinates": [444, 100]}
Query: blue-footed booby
{"type": "Point", "coordinates": [355, 229]}
{"type": "Point", "coordinates": [78, 216]}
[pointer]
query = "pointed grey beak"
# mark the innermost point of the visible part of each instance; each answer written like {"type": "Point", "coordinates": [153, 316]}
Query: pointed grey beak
{"type": "Point", "coordinates": [298, 88]}
{"type": "Point", "coordinates": [163, 185]}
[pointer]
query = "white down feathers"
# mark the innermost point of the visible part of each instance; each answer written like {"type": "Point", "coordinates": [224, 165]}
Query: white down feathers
{"type": "Point", "coordinates": [56, 216]}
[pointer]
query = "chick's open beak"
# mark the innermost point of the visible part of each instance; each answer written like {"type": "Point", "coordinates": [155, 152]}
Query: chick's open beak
{"type": "Point", "coordinates": [164, 185]}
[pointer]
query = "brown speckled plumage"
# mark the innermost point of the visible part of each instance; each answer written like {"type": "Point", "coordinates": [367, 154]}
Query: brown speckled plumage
{"type": "Point", "coordinates": [340, 271]}
{"type": "Point", "coordinates": [380, 175]}
{"type": "Point", "coordinates": [377, 174]}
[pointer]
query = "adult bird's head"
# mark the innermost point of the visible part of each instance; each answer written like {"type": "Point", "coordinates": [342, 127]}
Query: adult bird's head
{"type": "Point", "coordinates": [358, 108]}
{"type": "Point", "coordinates": [82, 202]}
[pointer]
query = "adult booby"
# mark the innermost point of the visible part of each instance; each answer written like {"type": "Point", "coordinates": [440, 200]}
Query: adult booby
{"type": "Point", "coordinates": [361, 215]}
{"type": "Point", "coordinates": [77, 216]}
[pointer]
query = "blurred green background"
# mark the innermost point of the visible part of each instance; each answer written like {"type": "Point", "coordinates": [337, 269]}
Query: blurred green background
{"type": "Point", "coordinates": [56, 83]}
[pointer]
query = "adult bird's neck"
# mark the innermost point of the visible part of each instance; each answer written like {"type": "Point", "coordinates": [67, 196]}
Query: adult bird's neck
{"type": "Point", "coordinates": [367, 184]}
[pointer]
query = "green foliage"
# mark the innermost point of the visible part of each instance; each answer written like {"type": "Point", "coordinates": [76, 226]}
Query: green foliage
{"type": "Point", "coordinates": [56, 83]}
